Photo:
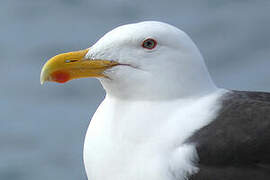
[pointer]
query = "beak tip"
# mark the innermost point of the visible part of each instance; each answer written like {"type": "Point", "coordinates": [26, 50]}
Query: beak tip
{"type": "Point", "coordinates": [42, 77]}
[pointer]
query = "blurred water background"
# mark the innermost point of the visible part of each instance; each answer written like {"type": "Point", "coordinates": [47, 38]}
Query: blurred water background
{"type": "Point", "coordinates": [42, 128]}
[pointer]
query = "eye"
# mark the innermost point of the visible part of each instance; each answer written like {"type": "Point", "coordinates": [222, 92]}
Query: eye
{"type": "Point", "coordinates": [149, 43]}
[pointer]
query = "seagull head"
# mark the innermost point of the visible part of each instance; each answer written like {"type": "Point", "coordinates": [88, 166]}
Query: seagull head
{"type": "Point", "coordinates": [146, 60]}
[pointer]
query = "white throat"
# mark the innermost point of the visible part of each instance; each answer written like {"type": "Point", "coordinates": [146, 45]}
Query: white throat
{"type": "Point", "coordinates": [140, 140]}
{"type": "Point", "coordinates": [172, 82]}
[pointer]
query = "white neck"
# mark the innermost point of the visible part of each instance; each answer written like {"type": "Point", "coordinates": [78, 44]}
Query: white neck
{"type": "Point", "coordinates": [140, 140]}
{"type": "Point", "coordinates": [174, 82]}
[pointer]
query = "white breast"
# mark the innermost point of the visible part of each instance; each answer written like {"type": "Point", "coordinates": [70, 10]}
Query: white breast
{"type": "Point", "coordinates": [145, 140]}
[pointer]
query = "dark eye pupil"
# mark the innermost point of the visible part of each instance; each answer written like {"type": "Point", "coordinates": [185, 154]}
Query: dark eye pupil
{"type": "Point", "coordinates": [149, 43]}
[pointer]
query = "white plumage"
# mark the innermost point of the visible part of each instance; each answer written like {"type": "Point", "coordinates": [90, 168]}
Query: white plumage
{"type": "Point", "coordinates": [154, 102]}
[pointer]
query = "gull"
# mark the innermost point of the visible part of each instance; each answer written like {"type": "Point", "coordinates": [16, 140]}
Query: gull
{"type": "Point", "coordinates": [163, 118]}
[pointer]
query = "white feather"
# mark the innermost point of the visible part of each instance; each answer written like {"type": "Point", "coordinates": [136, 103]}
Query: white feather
{"type": "Point", "coordinates": [140, 140]}
{"type": "Point", "coordinates": [152, 106]}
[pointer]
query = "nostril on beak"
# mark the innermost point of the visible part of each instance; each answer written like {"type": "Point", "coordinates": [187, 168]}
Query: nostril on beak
{"type": "Point", "coordinates": [70, 60]}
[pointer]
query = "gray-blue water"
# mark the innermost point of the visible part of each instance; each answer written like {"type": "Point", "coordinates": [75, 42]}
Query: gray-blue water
{"type": "Point", "coordinates": [42, 127]}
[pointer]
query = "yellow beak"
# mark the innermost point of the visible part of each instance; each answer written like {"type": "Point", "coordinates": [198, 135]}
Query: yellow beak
{"type": "Point", "coordinates": [73, 65]}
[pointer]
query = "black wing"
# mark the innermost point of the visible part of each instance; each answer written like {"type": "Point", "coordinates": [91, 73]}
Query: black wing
{"type": "Point", "coordinates": [236, 145]}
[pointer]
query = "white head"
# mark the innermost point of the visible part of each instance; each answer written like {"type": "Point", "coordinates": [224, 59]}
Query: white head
{"type": "Point", "coordinates": [167, 66]}
{"type": "Point", "coordinates": [173, 68]}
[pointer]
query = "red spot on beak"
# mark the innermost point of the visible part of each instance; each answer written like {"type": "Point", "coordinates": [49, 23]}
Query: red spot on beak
{"type": "Point", "coordinates": [60, 76]}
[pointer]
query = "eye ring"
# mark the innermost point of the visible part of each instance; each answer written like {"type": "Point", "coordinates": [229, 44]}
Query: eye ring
{"type": "Point", "coordinates": [149, 43]}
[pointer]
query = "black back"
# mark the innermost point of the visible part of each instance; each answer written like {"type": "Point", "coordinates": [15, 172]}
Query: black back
{"type": "Point", "coordinates": [236, 145]}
